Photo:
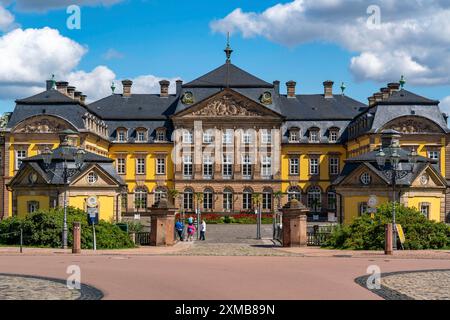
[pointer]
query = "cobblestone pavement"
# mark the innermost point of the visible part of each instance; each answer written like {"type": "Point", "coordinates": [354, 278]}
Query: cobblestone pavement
{"type": "Point", "coordinates": [17, 287]}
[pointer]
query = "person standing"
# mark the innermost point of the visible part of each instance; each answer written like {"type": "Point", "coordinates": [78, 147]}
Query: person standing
{"type": "Point", "coordinates": [191, 232]}
{"type": "Point", "coordinates": [203, 230]}
{"type": "Point", "coordinates": [179, 227]}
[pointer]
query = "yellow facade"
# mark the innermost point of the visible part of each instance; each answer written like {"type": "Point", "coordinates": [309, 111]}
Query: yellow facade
{"type": "Point", "coordinates": [435, 205]}
{"type": "Point", "coordinates": [105, 205]}
{"type": "Point", "coordinates": [22, 203]}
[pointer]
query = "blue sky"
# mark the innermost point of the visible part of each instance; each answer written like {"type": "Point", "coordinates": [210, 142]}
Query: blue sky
{"type": "Point", "coordinates": [179, 39]}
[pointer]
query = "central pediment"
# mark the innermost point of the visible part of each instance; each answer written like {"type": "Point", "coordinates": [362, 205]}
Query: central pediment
{"type": "Point", "coordinates": [227, 103]}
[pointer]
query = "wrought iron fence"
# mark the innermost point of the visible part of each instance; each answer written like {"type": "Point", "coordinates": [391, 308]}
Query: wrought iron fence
{"type": "Point", "coordinates": [317, 239]}
{"type": "Point", "coordinates": [143, 238]}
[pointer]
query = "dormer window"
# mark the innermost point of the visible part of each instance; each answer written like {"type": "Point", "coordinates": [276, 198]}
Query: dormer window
{"type": "Point", "coordinates": [161, 135]}
{"type": "Point", "coordinates": [141, 135]}
{"type": "Point", "coordinates": [314, 135]}
{"type": "Point", "coordinates": [333, 135]}
{"type": "Point", "coordinates": [294, 135]}
{"type": "Point", "coordinates": [122, 135]}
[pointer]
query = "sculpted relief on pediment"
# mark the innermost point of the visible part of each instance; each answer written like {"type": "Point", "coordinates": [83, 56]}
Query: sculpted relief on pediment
{"type": "Point", "coordinates": [413, 125]}
{"type": "Point", "coordinates": [42, 125]}
{"type": "Point", "coordinates": [227, 105]}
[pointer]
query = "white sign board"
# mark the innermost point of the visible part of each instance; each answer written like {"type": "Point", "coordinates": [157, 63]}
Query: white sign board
{"type": "Point", "coordinates": [373, 202]}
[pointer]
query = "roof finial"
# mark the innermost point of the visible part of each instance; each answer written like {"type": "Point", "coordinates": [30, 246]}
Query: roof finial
{"type": "Point", "coordinates": [113, 87]}
{"type": "Point", "coordinates": [53, 82]}
{"type": "Point", "coordinates": [402, 81]}
{"type": "Point", "coordinates": [343, 87]}
{"type": "Point", "coordinates": [228, 50]}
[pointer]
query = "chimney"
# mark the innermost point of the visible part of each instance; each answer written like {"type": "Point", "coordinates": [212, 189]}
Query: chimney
{"type": "Point", "coordinates": [164, 88]}
{"type": "Point", "coordinates": [394, 86]}
{"type": "Point", "coordinates": [276, 87]}
{"type": "Point", "coordinates": [62, 86]}
{"type": "Point", "coordinates": [71, 91]}
{"type": "Point", "coordinates": [371, 101]}
{"type": "Point", "coordinates": [77, 95]}
{"type": "Point", "coordinates": [378, 96]}
{"type": "Point", "coordinates": [328, 89]}
{"type": "Point", "coordinates": [179, 86]}
{"type": "Point", "coordinates": [83, 99]}
{"type": "Point", "coordinates": [127, 87]}
{"type": "Point", "coordinates": [385, 92]}
{"type": "Point", "coordinates": [291, 88]}
{"type": "Point", "coordinates": [49, 84]}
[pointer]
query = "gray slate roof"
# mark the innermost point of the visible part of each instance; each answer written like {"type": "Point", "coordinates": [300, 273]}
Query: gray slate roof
{"type": "Point", "coordinates": [407, 97]}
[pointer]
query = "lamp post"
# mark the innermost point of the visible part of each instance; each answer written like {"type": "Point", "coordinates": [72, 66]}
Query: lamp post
{"type": "Point", "coordinates": [78, 157]}
{"type": "Point", "coordinates": [389, 161]}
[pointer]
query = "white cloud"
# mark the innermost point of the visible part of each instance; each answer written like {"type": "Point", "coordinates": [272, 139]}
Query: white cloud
{"type": "Point", "coordinates": [6, 19]}
{"type": "Point", "coordinates": [413, 38]}
{"type": "Point", "coordinates": [112, 54]}
{"type": "Point", "coordinates": [46, 5]}
{"type": "Point", "coordinates": [30, 56]}
{"type": "Point", "coordinates": [445, 105]}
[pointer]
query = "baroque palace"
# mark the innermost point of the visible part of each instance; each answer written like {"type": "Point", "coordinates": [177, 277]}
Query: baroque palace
{"type": "Point", "coordinates": [220, 140]}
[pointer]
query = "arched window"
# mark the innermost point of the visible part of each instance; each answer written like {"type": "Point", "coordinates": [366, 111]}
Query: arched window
{"type": "Point", "coordinates": [227, 199]}
{"type": "Point", "coordinates": [247, 199]}
{"type": "Point", "coordinates": [140, 198]}
{"type": "Point", "coordinates": [315, 199]}
{"type": "Point", "coordinates": [160, 193]}
{"type": "Point", "coordinates": [208, 195]}
{"type": "Point", "coordinates": [188, 200]}
{"type": "Point", "coordinates": [294, 193]}
{"type": "Point", "coordinates": [267, 197]}
{"type": "Point", "coordinates": [331, 199]}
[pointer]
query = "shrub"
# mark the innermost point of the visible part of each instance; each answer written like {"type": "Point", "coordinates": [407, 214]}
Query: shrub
{"type": "Point", "coordinates": [44, 229]}
{"type": "Point", "coordinates": [367, 233]}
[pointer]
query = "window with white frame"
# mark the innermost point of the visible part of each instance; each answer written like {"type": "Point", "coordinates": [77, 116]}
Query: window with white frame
{"type": "Point", "coordinates": [247, 199]}
{"type": "Point", "coordinates": [122, 135]}
{"type": "Point", "coordinates": [425, 209]}
{"type": "Point", "coordinates": [208, 166]}
{"type": "Point", "coordinates": [92, 177]}
{"type": "Point", "coordinates": [160, 135]}
{"type": "Point", "coordinates": [294, 193]}
{"type": "Point", "coordinates": [333, 135]}
{"type": "Point", "coordinates": [121, 165]}
{"type": "Point", "coordinates": [140, 165]}
{"type": "Point", "coordinates": [208, 199]}
{"type": "Point", "coordinates": [141, 135]}
{"type": "Point", "coordinates": [33, 206]}
{"type": "Point", "coordinates": [246, 166]}
{"type": "Point", "coordinates": [161, 165]}
{"type": "Point", "coordinates": [267, 197]}
{"type": "Point", "coordinates": [266, 166]}
{"type": "Point", "coordinates": [187, 166]}
{"type": "Point", "coordinates": [247, 137]}
{"type": "Point", "coordinates": [266, 137]}
{"type": "Point", "coordinates": [314, 166]}
{"type": "Point", "coordinates": [366, 178]}
{"type": "Point", "coordinates": [227, 166]}
{"type": "Point", "coordinates": [294, 135]}
{"type": "Point", "coordinates": [227, 200]}
{"type": "Point", "coordinates": [20, 155]}
{"type": "Point", "coordinates": [435, 155]}
{"type": "Point", "coordinates": [315, 199]}
{"type": "Point", "coordinates": [331, 200]}
{"type": "Point", "coordinates": [140, 198]}
{"type": "Point", "coordinates": [334, 165]}
{"type": "Point", "coordinates": [227, 137]}
{"type": "Point", "coordinates": [294, 166]}
{"type": "Point", "coordinates": [208, 137]}
{"type": "Point", "coordinates": [187, 136]}
{"type": "Point", "coordinates": [363, 207]}
{"type": "Point", "coordinates": [188, 200]}
{"type": "Point", "coordinates": [160, 193]}
{"type": "Point", "coordinates": [314, 135]}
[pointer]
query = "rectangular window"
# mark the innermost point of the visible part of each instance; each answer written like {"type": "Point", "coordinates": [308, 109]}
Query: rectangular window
{"type": "Point", "coordinates": [188, 201]}
{"type": "Point", "coordinates": [227, 166]}
{"type": "Point", "coordinates": [187, 136]}
{"type": "Point", "coordinates": [314, 166]}
{"type": "Point", "coordinates": [208, 137]}
{"type": "Point", "coordinates": [227, 201]}
{"type": "Point", "coordinates": [227, 137]}
{"type": "Point", "coordinates": [333, 136]}
{"type": "Point", "coordinates": [247, 137]}
{"type": "Point", "coordinates": [140, 166]}
{"type": "Point", "coordinates": [267, 201]}
{"type": "Point", "coordinates": [294, 136]}
{"type": "Point", "coordinates": [363, 208]}
{"type": "Point", "coordinates": [33, 206]}
{"type": "Point", "coordinates": [334, 166]}
{"type": "Point", "coordinates": [121, 166]}
{"type": "Point", "coordinates": [294, 166]}
{"type": "Point", "coordinates": [208, 200]}
{"type": "Point", "coordinates": [161, 166]}
{"type": "Point", "coordinates": [314, 136]}
{"type": "Point", "coordinates": [207, 167]}
{"type": "Point", "coordinates": [435, 155]}
{"type": "Point", "coordinates": [187, 166]}
{"type": "Point", "coordinates": [425, 209]}
{"type": "Point", "coordinates": [141, 136]}
{"type": "Point", "coordinates": [246, 200]}
{"type": "Point", "coordinates": [121, 136]}
{"type": "Point", "coordinates": [266, 166]}
{"type": "Point", "coordinates": [266, 137]}
{"type": "Point", "coordinates": [20, 155]}
{"type": "Point", "coordinates": [246, 166]}
{"type": "Point", "coordinates": [160, 135]}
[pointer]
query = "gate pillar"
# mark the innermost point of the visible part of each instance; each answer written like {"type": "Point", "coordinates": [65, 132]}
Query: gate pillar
{"type": "Point", "coordinates": [162, 229]}
{"type": "Point", "coordinates": [295, 224]}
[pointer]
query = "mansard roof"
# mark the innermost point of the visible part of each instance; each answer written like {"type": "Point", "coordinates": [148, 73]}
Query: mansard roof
{"type": "Point", "coordinates": [228, 76]}
{"type": "Point", "coordinates": [405, 97]}
{"type": "Point", "coordinates": [48, 97]}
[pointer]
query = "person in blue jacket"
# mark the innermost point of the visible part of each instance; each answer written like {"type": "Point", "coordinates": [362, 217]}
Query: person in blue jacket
{"type": "Point", "coordinates": [179, 227]}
